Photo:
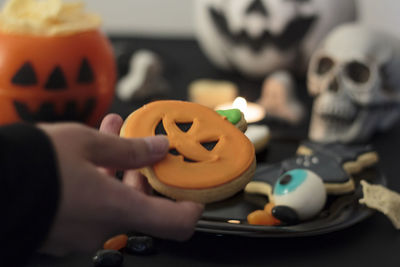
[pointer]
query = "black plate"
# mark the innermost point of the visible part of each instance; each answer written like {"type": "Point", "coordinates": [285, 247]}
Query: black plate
{"type": "Point", "coordinates": [229, 216]}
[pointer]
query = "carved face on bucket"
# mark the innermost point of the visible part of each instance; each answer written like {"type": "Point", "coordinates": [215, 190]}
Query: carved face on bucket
{"type": "Point", "coordinates": [295, 29]}
{"type": "Point", "coordinates": [77, 109]}
{"type": "Point", "coordinates": [260, 36]}
{"type": "Point", "coordinates": [59, 78]}
{"type": "Point", "coordinates": [354, 81]}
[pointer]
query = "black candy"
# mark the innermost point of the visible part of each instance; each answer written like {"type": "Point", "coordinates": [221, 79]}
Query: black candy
{"type": "Point", "coordinates": [285, 214]}
{"type": "Point", "coordinates": [108, 258]}
{"type": "Point", "coordinates": [140, 245]}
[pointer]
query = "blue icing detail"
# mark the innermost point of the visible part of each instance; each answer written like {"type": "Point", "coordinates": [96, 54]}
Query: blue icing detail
{"type": "Point", "coordinates": [298, 176]}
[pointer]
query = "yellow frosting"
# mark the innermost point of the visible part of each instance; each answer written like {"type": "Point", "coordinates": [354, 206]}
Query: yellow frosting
{"type": "Point", "coordinates": [46, 17]}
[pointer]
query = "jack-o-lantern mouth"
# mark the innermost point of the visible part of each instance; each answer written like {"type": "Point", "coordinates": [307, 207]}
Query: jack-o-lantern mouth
{"type": "Point", "coordinates": [291, 35]}
{"type": "Point", "coordinates": [47, 111]}
{"type": "Point", "coordinates": [207, 145]}
{"type": "Point", "coordinates": [175, 152]}
{"type": "Point", "coordinates": [184, 127]}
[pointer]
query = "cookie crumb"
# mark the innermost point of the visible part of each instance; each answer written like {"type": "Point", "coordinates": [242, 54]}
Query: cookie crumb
{"type": "Point", "coordinates": [382, 199]}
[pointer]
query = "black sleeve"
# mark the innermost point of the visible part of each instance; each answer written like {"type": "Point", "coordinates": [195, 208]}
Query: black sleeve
{"type": "Point", "coordinates": [29, 191]}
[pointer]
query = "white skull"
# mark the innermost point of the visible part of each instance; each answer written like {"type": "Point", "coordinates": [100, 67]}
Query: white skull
{"type": "Point", "coordinates": [354, 78]}
{"type": "Point", "coordinates": [257, 37]}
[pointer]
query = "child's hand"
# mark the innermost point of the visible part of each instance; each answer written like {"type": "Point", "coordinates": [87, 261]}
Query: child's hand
{"type": "Point", "coordinates": [94, 205]}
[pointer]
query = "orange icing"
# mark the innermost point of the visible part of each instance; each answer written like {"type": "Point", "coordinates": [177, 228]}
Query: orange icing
{"type": "Point", "coordinates": [232, 155]}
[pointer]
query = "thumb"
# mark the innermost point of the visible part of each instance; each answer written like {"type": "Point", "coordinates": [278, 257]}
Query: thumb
{"type": "Point", "coordinates": [127, 153]}
{"type": "Point", "coordinates": [107, 150]}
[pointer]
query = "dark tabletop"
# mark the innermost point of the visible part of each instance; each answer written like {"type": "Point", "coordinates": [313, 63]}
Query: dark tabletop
{"type": "Point", "coordinates": [371, 242]}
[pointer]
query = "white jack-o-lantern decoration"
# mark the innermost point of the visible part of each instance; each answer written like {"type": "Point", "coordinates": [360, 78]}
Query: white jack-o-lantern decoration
{"type": "Point", "coordinates": [257, 37]}
{"type": "Point", "coordinates": [354, 77]}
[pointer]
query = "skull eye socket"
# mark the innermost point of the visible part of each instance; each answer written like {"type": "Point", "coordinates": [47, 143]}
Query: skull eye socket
{"type": "Point", "coordinates": [357, 72]}
{"type": "Point", "coordinates": [324, 65]}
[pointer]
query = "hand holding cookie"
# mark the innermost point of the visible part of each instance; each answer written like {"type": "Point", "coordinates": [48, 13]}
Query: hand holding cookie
{"type": "Point", "coordinates": [209, 158]}
{"type": "Point", "coordinates": [95, 205]}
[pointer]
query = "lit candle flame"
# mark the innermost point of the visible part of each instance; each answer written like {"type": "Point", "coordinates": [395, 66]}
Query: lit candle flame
{"type": "Point", "coordinates": [252, 112]}
{"type": "Point", "coordinates": [240, 103]}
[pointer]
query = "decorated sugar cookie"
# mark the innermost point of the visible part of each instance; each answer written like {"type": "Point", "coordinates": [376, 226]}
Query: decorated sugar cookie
{"type": "Point", "coordinates": [298, 187]}
{"type": "Point", "coordinates": [209, 158]}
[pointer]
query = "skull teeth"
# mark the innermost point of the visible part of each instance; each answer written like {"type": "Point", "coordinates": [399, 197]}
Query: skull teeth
{"type": "Point", "coordinates": [334, 110]}
{"type": "Point", "coordinates": [333, 119]}
{"type": "Point", "coordinates": [338, 115]}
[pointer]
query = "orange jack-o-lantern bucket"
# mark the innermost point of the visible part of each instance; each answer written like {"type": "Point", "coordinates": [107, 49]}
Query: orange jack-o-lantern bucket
{"type": "Point", "coordinates": [65, 77]}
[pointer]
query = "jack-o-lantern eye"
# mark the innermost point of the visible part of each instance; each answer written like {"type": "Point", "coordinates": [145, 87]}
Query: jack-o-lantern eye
{"type": "Point", "coordinates": [85, 74]}
{"type": "Point", "coordinates": [257, 7]}
{"type": "Point", "coordinates": [209, 145]}
{"type": "Point", "coordinates": [56, 80]}
{"type": "Point", "coordinates": [160, 128]}
{"type": "Point", "coordinates": [184, 127]}
{"type": "Point", "coordinates": [25, 76]}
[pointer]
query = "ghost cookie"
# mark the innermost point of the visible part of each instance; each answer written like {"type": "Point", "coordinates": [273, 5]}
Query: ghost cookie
{"type": "Point", "coordinates": [298, 187]}
{"type": "Point", "coordinates": [209, 158]}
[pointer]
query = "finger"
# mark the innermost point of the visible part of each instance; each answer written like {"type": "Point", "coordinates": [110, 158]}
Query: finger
{"type": "Point", "coordinates": [125, 153]}
{"type": "Point", "coordinates": [111, 124]}
{"type": "Point", "coordinates": [124, 209]}
{"type": "Point", "coordinates": [164, 218]}
{"type": "Point", "coordinates": [137, 181]}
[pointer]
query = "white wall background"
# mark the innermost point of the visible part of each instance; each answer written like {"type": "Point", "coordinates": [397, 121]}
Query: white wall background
{"type": "Point", "coordinates": [382, 14]}
{"type": "Point", "coordinates": [173, 18]}
{"type": "Point", "coordinates": [146, 17]}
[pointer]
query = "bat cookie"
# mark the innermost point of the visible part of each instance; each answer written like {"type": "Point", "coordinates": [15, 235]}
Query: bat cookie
{"type": "Point", "coordinates": [209, 158]}
{"type": "Point", "coordinates": [298, 187]}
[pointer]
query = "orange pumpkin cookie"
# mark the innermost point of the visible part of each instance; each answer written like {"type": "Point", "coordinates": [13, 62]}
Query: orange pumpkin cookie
{"type": "Point", "coordinates": [209, 160]}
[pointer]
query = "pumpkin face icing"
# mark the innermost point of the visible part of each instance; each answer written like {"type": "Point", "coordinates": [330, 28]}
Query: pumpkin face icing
{"type": "Point", "coordinates": [206, 150]}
